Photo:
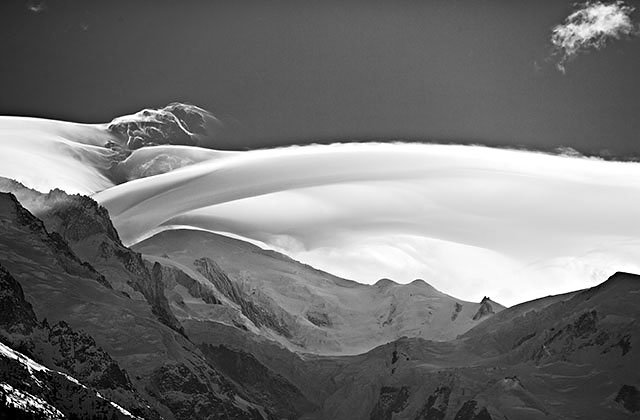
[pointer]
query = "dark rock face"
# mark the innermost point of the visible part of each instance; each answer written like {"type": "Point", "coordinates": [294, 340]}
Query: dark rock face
{"type": "Point", "coordinates": [469, 411]}
{"type": "Point", "coordinates": [484, 309]}
{"type": "Point", "coordinates": [265, 386]}
{"type": "Point", "coordinates": [585, 324]}
{"type": "Point", "coordinates": [142, 281]}
{"type": "Point", "coordinates": [436, 406]}
{"type": "Point", "coordinates": [629, 397]}
{"type": "Point", "coordinates": [523, 339]}
{"type": "Point", "coordinates": [256, 313]}
{"type": "Point", "coordinates": [456, 311]}
{"type": "Point", "coordinates": [319, 319]}
{"type": "Point", "coordinates": [625, 344]}
{"type": "Point", "coordinates": [573, 336]}
{"type": "Point", "coordinates": [16, 314]}
{"type": "Point", "coordinates": [174, 124]}
{"type": "Point", "coordinates": [391, 400]}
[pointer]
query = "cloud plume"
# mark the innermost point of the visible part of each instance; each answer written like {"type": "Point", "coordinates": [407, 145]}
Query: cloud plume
{"type": "Point", "coordinates": [591, 26]}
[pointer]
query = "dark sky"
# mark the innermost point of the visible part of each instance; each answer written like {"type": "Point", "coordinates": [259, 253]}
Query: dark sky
{"type": "Point", "coordinates": [283, 72]}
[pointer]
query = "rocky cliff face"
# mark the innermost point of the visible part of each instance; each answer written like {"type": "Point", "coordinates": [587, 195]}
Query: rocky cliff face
{"type": "Point", "coordinates": [262, 315]}
{"type": "Point", "coordinates": [486, 308]}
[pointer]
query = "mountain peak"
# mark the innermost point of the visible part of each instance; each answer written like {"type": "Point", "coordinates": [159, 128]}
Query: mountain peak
{"type": "Point", "coordinates": [420, 282]}
{"type": "Point", "coordinates": [485, 308]}
{"type": "Point", "coordinates": [176, 123]}
{"type": "Point", "coordinates": [385, 282]}
{"type": "Point", "coordinates": [623, 276]}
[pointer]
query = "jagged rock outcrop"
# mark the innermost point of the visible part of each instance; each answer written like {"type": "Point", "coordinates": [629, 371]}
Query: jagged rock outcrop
{"type": "Point", "coordinates": [457, 307]}
{"type": "Point", "coordinates": [485, 309]}
{"type": "Point", "coordinates": [436, 406]}
{"type": "Point", "coordinates": [629, 397]}
{"type": "Point", "coordinates": [471, 411]}
{"type": "Point", "coordinates": [12, 212]}
{"type": "Point", "coordinates": [390, 401]}
{"type": "Point", "coordinates": [16, 314]}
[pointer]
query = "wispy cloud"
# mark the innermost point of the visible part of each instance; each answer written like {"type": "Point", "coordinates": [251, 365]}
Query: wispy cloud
{"type": "Point", "coordinates": [590, 27]}
{"type": "Point", "coordinates": [36, 6]}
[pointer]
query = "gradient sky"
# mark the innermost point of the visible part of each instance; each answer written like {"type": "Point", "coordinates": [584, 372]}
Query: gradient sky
{"type": "Point", "coordinates": [292, 72]}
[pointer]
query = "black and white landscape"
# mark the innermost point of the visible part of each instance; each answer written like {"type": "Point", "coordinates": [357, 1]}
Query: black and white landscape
{"type": "Point", "coordinates": [461, 244]}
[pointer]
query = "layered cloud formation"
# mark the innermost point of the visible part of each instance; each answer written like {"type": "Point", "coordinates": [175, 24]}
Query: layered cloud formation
{"type": "Point", "coordinates": [470, 220]}
{"type": "Point", "coordinates": [591, 26]}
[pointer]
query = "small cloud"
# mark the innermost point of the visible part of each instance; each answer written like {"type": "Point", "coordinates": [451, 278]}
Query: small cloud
{"type": "Point", "coordinates": [36, 6]}
{"type": "Point", "coordinates": [590, 27]}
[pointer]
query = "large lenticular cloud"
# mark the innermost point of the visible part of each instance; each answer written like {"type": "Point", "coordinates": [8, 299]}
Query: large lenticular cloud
{"type": "Point", "coordinates": [511, 223]}
{"type": "Point", "coordinates": [471, 220]}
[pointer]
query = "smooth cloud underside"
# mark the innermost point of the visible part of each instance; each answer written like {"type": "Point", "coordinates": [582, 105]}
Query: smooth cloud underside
{"type": "Point", "coordinates": [590, 27]}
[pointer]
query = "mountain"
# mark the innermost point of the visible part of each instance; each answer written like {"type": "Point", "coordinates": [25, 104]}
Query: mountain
{"type": "Point", "coordinates": [306, 309]}
{"type": "Point", "coordinates": [200, 325]}
{"type": "Point", "coordinates": [86, 227]}
{"type": "Point", "coordinates": [303, 308]}
{"type": "Point", "coordinates": [570, 357]}
{"type": "Point", "coordinates": [165, 368]}
{"type": "Point", "coordinates": [176, 123]}
{"type": "Point", "coordinates": [71, 353]}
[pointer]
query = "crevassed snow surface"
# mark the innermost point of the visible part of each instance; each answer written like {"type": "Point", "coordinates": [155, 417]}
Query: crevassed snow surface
{"type": "Point", "coordinates": [470, 220]}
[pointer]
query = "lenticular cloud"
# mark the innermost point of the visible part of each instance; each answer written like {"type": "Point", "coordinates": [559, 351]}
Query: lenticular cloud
{"type": "Point", "coordinates": [590, 27]}
{"type": "Point", "coordinates": [470, 220]}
